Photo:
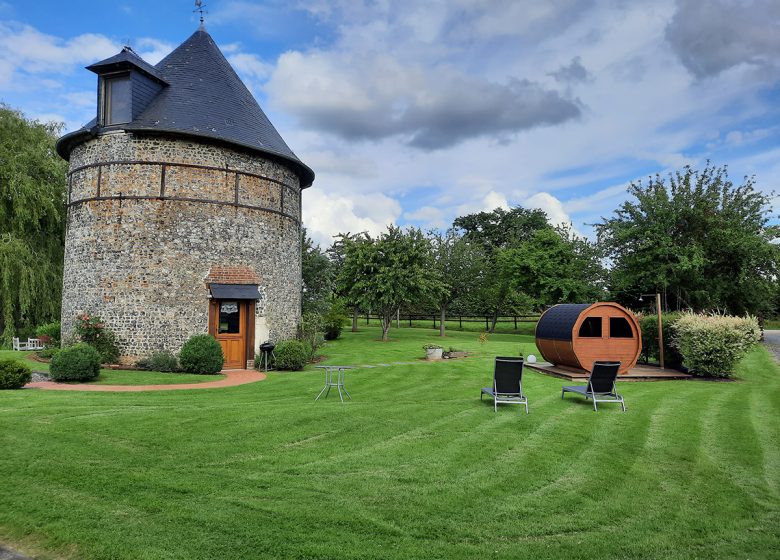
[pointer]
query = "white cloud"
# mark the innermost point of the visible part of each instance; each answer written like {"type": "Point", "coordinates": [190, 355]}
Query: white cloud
{"type": "Point", "coordinates": [493, 200]}
{"type": "Point", "coordinates": [250, 65]}
{"type": "Point", "coordinates": [551, 206]}
{"type": "Point", "coordinates": [153, 50]}
{"type": "Point", "coordinates": [326, 214]}
{"type": "Point", "coordinates": [27, 48]}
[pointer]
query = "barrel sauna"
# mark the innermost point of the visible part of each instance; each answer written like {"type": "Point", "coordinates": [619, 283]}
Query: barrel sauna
{"type": "Point", "coordinates": [576, 335]}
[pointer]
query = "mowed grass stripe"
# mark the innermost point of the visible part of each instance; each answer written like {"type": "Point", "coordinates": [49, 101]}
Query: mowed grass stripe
{"type": "Point", "coordinates": [414, 467]}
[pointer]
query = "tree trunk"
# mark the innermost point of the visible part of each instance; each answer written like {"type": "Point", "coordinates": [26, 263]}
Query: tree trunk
{"type": "Point", "coordinates": [494, 320]}
{"type": "Point", "coordinates": [354, 319]}
{"type": "Point", "coordinates": [443, 318]}
{"type": "Point", "coordinates": [386, 322]}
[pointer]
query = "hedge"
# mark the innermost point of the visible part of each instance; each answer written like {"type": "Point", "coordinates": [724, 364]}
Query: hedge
{"type": "Point", "coordinates": [711, 345]}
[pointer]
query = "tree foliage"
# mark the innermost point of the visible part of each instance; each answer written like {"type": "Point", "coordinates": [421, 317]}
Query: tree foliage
{"type": "Point", "coordinates": [702, 241]}
{"type": "Point", "coordinates": [384, 273]}
{"type": "Point", "coordinates": [460, 264]}
{"type": "Point", "coordinates": [553, 266]}
{"type": "Point", "coordinates": [318, 276]}
{"type": "Point", "coordinates": [496, 232]}
{"type": "Point", "coordinates": [32, 223]}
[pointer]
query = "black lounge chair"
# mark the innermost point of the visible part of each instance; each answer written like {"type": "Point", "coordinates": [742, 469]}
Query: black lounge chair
{"type": "Point", "coordinates": [601, 385]}
{"type": "Point", "coordinates": [507, 383]}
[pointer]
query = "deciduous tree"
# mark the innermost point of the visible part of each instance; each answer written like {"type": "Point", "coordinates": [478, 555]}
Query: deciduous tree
{"type": "Point", "coordinates": [698, 238]}
{"type": "Point", "coordinates": [382, 274]}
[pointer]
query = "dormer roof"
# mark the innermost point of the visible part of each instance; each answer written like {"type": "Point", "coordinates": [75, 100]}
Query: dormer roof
{"type": "Point", "coordinates": [202, 97]}
{"type": "Point", "coordinates": [127, 59]}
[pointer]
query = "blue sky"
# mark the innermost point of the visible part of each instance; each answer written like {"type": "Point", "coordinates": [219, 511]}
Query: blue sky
{"type": "Point", "coordinates": [415, 113]}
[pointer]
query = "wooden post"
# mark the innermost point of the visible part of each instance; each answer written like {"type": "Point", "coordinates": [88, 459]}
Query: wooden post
{"type": "Point", "coordinates": [660, 330]}
{"type": "Point", "coordinates": [398, 318]}
{"type": "Point", "coordinates": [515, 322]}
{"type": "Point", "coordinates": [460, 321]}
{"type": "Point", "coordinates": [434, 321]}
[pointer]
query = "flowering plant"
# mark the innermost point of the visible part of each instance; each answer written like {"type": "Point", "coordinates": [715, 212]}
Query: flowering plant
{"type": "Point", "coordinates": [92, 330]}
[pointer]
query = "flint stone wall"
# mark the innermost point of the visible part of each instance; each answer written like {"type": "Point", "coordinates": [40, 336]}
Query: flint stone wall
{"type": "Point", "coordinates": [140, 259]}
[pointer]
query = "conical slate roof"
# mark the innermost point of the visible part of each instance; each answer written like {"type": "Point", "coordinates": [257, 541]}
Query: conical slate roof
{"type": "Point", "coordinates": [204, 98]}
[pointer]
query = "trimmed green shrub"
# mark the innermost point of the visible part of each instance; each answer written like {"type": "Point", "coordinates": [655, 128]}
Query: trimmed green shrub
{"type": "Point", "coordinates": [201, 354]}
{"type": "Point", "coordinates": [14, 374]}
{"type": "Point", "coordinates": [291, 355]}
{"type": "Point", "coordinates": [93, 331]}
{"type": "Point", "coordinates": [160, 361]}
{"type": "Point", "coordinates": [50, 330]}
{"type": "Point", "coordinates": [649, 326]}
{"type": "Point", "coordinates": [80, 362]}
{"type": "Point", "coordinates": [333, 321]}
{"type": "Point", "coordinates": [711, 345]}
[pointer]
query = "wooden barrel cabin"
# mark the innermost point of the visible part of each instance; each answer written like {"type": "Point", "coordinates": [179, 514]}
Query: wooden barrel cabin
{"type": "Point", "coordinates": [576, 335]}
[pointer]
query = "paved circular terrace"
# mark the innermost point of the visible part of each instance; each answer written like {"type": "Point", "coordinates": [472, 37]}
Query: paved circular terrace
{"type": "Point", "coordinates": [232, 378]}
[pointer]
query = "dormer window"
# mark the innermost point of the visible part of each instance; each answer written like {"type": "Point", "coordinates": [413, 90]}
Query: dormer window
{"type": "Point", "coordinates": [117, 100]}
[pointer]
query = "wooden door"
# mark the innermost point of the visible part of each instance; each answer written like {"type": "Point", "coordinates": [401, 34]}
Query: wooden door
{"type": "Point", "coordinates": [228, 325]}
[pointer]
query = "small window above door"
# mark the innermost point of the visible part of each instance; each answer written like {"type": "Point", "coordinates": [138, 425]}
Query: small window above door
{"type": "Point", "coordinates": [229, 318]}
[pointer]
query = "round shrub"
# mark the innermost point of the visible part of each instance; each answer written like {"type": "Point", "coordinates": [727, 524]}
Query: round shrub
{"type": "Point", "coordinates": [201, 354]}
{"type": "Point", "coordinates": [13, 374]}
{"type": "Point", "coordinates": [160, 361]}
{"type": "Point", "coordinates": [291, 355]}
{"type": "Point", "coordinates": [80, 362]}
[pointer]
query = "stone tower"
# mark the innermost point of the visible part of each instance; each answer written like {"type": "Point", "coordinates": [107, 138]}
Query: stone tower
{"type": "Point", "coordinates": [184, 208]}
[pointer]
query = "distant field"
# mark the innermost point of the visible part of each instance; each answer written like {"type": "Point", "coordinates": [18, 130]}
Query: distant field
{"type": "Point", "coordinates": [506, 325]}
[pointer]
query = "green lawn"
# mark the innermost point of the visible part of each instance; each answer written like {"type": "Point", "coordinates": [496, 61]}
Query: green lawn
{"type": "Point", "coordinates": [414, 467]}
{"type": "Point", "coordinates": [119, 376]}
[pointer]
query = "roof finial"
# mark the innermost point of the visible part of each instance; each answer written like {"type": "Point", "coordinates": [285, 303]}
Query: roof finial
{"type": "Point", "coordinates": [199, 8]}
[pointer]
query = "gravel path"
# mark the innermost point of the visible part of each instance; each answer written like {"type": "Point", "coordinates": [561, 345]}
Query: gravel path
{"type": "Point", "coordinates": [8, 554]}
{"type": "Point", "coordinates": [772, 341]}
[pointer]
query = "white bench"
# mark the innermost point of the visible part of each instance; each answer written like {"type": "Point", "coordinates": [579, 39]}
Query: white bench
{"type": "Point", "coordinates": [31, 344]}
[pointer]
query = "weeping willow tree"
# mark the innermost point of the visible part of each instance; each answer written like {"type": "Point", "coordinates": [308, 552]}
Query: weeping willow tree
{"type": "Point", "coordinates": [32, 223]}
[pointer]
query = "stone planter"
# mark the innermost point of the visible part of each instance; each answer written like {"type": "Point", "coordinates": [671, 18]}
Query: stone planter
{"type": "Point", "coordinates": [433, 353]}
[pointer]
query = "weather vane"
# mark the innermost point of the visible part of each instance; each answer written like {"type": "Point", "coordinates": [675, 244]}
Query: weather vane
{"type": "Point", "coordinates": [199, 8]}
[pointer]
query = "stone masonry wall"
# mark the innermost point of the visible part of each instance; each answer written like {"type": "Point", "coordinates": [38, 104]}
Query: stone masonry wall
{"type": "Point", "coordinates": [142, 263]}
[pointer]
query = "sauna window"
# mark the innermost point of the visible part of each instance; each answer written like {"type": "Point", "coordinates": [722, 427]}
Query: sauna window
{"type": "Point", "coordinates": [591, 327]}
{"type": "Point", "coordinates": [619, 328]}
